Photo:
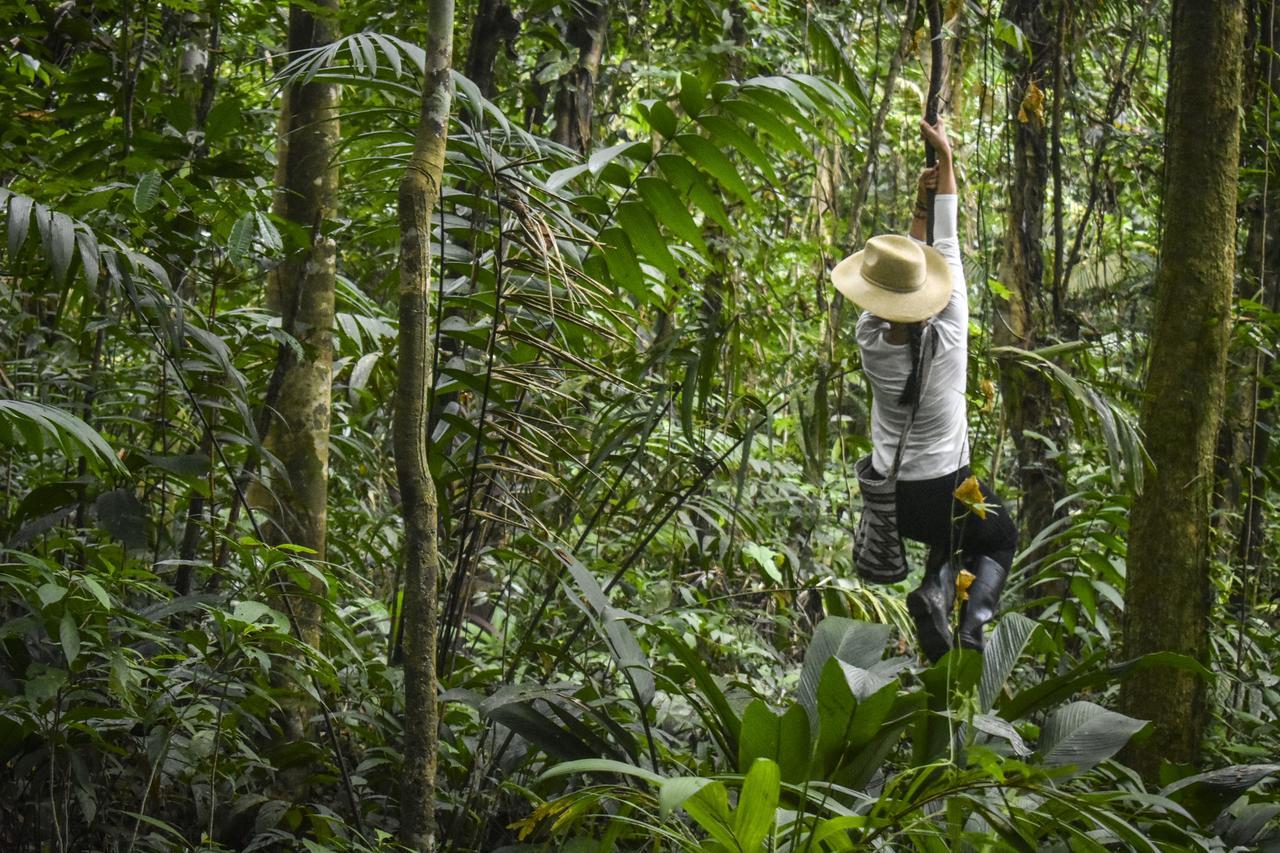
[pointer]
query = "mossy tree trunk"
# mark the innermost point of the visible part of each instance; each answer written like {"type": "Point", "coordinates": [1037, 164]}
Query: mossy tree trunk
{"type": "Point", "coordinates": [302, 291]}
{"type": "Point", "coordinates": [419, 192]}
{"type": "Point", "coordinates": [575, 98]}
{"type": "Point", "coordinates": [1023, 318]}
{"type": "Point", "coordinates": [1167, 602]}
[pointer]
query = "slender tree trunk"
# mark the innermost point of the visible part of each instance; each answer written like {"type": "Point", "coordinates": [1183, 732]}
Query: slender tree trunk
{"type": "Point", "coordinates": [1167, 602]}
{"type": "Point", "coordinates": [495, 24]}
{"type": "Point", "coordinates": [588, 26]}
{"type": "Point", "coordinates": [1243, 439]}
{"type": "Point", "coordinates": [1023, 316]}
{"type": "Point", "coordinates": [295, 494]}
{"type": "Point", "coordinates": [418, 195]}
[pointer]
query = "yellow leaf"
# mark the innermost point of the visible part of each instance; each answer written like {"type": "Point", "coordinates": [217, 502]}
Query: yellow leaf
{"type": "Point", "coordinates": [989, 396]}
{"type": "Point", "coordinates": [964, 580]}
{"type": "Point", "coordinates": [970, 494]}
{"type": "Point", "coordinates": [1032, 109]}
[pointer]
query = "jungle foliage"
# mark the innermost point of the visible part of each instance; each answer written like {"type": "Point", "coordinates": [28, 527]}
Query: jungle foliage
{"type": "Point", "coordinates": [643, 414]}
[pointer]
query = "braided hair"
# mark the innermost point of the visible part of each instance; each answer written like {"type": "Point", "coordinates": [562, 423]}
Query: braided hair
{"type": "Point", "coordinates": [911, 391]}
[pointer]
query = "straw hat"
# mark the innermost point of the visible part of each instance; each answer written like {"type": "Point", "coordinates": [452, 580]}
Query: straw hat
{"type": "Point", "coordinates": [895, 278]}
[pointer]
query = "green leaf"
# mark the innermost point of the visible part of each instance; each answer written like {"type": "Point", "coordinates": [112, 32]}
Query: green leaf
{"type": "Point", "coordinates": [686, 178]}
{"type": "Point", "coordinates": [147, 192]}
{"type": "Point", "coordinates": [662, 118]}
{"type": "Point", "coordinates": [69, 635]}
{"type": "Point", "coordinates": [624, 268]}
{"type": "Point", "coordinates": [724, 723]}
{"type": "Point", "coordinates": [717, 165]}
{"type": "Point", "coordinates": [643, 232]}
{"type": "Point", "coordinates": [1082, 734]}
{"type": "Point", "coordinates": [668, 209]}
{"type": "Point", "coordinates": [90, 255]}
{"type": "Point", "coordinates": [50, 593]}
{"type": "Point", "coordinates": [1087, 675]}
{"type": "Point", "coordinates": [765, 558]}
{"type": "Point", "coordinates": [1001, 655]}
{"type": "Point", "coordinates": [859, 643]}
{"type": "Point", "coordinates": [757, 805]}
{"type": "Point", "coordinates": [240, 240]}
{"type": "Point", "coordinates": [1205, 795]}
{"type": "Point", "coordinates": [251, 611]}
{"type": "Point", "coordinates": [675, 791]}
{"type": "Point", "coordinates": [601, 765]}
{"type": "Point", "coordinates": [783, 738]}
{"type": "Point", "coordinates": [96, 590]}
{"type": "Point", "coordinates": [762, 119]}
{"type": "Point", "coordinates": [19, 222]}
{"type": "Point", "coordinates": [693, 94]}
{"type": "Point", "coordinates": [710, 809]}
{"type": "Point", "coordinates": [72, 434]}
{"type": "Point", "coordinates": [62, 240]}
{"type": "Point", "coordinates": [724, 131]}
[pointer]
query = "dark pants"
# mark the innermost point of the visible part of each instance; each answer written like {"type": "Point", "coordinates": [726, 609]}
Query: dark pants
{"type": "Point", "coordinates": [929, 512]}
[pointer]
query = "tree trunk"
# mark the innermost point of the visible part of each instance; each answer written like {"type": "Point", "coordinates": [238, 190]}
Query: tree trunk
{"type": "Point", "coordinates": [302, 290]}
{"type": "Point", "coordinates": [1243, 439]}
{"type": "Point", "coordinates": [576, 94]}
{"type": "Point", "coordinates": [1022, 316]}
{"type": "Point", "coordinates": [419, 193]}
{"type": "Point", "coordinates": [1167, 602]}
{"type": "Point", "coordinates": [495, 24]}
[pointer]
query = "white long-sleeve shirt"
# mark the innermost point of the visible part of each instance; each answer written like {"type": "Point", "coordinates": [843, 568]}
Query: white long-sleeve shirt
{"type": "Point", "coordinates": [938, 443]}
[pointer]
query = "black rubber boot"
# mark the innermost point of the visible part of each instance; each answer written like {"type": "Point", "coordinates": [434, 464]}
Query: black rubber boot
{"type": "Point", "coordinates": [930, 606]}
{"type": "Point", "coordinates": [983, 602]}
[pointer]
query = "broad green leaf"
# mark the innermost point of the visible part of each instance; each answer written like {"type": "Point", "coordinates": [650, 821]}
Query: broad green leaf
{"type": "Point", "coordinates": [624, 268]}
{"type": "Point", "coordinates": [719, 166]}
{"type": "Point", "coordinates": [90, 255]}
{"type": "Point", "coordinates": [757, 805]}
{"type": "Point", "coordinates": [783, 738]}
{"type": "Point", "coordinates": [69, 636]}
{"type": "Point", "coordinates": [19, 222]}
{"type": "Point", "coordinates": [726, 132]}
{"type": "Point", "coordinates": [240, 240]}
{"type": "Point", "coordinates": [62, 240]}
{"type": "Point", "coordinates": [1205, 795]}
{"type": "Point", "coordinates": [725, 725]}
{"type": "Point", "coordinates": [668, 209]}
{"type": "Point", "coordinates": [673, 792]}
{"type": "Point", "coordinates": [764, 120]}
{"type": "Point", "coordinates": [859, 643]}
{"type": "Point", "coordinates": [1082, 734]}
{"type": "Point", "coordinates": [147, 192]}
{"type": "Point", "coordinates": [693, 94]}
{"type": "Point", "coordinates": [50, 593]}
{"type": "Point", "coordinates": [643, 232]}
{"type": "Point", "coordinates": [686, 178]}
{"type": "Point", "coordinates": [1088, 675]}
{"type": "Point", "coordinates": [661, 118]}
{"type": "Point", "coordinates": [710, 809]}
{"type": "Point", "coordinates": [1001, 655]}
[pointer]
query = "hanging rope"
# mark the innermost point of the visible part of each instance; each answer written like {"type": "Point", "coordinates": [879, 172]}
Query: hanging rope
{"type": "Point", "coordinates": [931, 103]}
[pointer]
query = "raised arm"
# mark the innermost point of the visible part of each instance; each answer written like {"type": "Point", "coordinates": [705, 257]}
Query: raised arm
{"type": "Point", "coordinates": [941, 178]}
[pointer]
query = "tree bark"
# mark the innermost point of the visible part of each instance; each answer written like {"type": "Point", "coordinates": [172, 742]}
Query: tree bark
{"type": "Point", "coordinates": [302, 290]}
{"type": "Point", "coordinates": [419, 192]}
{"type": "Point", "coordinates": [495, 24]}
{"type": "Point", "coordinates": [1022, 317]}
{"type": "Point", "coordinates": [575, 95]}
{"type": "Point", "coordinates": [1167, 602]}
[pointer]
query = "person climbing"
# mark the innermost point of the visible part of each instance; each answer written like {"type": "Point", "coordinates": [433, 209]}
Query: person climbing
{"type": "Point", "coordinates": [913, 334]}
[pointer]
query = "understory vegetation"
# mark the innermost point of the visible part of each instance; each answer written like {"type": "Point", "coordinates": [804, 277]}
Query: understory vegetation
{"type": "Point", "coordinates": [644, 408]}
